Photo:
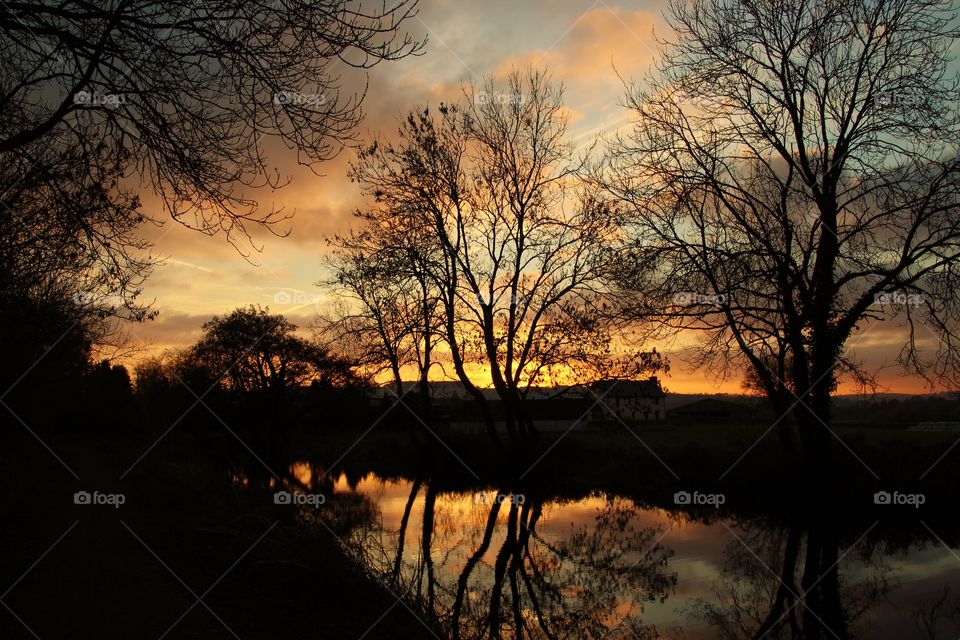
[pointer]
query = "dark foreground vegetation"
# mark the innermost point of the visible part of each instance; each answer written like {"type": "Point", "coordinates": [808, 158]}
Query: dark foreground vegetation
{"type": "Point", "coordinates": [184, 531]}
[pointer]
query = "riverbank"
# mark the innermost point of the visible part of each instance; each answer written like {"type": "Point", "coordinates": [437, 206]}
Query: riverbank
{"type": "Point", "coordinates": [746, 463]}
{"type": "Point", "coordinates": [183, 531]}
{"type": "Point", "coordinates": [186, 554]}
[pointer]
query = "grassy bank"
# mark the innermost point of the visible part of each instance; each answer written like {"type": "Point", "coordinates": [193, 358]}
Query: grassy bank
{"type": "Point", "coordinates": [747, 463]}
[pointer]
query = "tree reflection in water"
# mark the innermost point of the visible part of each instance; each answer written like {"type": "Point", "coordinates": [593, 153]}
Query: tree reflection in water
{"type": "Point", "coordinates": [783, 582]}
{"type": "Point", "coordinates": [939, 617]}
{"type": "Point", "coordinates": [486, 571]}
{"type": "Point", "coordinates": [497, 565]}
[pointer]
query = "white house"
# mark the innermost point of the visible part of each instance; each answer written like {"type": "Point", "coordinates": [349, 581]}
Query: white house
{"type": "Point", "coordinates": [630, 401]}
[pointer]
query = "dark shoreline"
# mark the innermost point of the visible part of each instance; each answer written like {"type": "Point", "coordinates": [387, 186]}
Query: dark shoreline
{"type": "Point", "coordinates": [297, 579]}
{"type": "Point", "coordinates": [268, 576]}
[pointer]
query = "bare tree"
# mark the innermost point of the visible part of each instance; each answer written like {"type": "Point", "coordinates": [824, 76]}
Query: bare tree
{"type": "Point", "coordinates": [67, 230]}
{"type": "Point", "coordinates": [72, 264]}
{"type": "Point", "coordinates": [188, 92]}
{"type": "Point", "coordinates": [181, 95]}
{"type": "Point", "coordinates": [519, 240]}
{"type": "Point", "coordinates": [389, 303]}
{"type": "Point", "coordinates": [792, 178]}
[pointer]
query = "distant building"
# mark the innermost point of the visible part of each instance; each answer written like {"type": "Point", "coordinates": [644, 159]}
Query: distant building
{"type": "Point", "coordinates": [629, 401]}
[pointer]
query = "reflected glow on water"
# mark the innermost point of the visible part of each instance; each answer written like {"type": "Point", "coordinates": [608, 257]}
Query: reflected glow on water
{"type": "Point", "coordinates": [601, 566]}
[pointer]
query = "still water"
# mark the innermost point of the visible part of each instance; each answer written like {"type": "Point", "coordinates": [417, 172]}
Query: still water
{"type": "Point", "coordinates": [486, 564]}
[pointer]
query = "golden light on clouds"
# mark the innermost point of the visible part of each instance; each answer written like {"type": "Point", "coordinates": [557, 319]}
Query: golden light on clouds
{"type": "Point", "coordinates": [592, 49]}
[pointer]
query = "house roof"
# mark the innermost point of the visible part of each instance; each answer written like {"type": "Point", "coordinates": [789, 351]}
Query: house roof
{"type": "Point", "coordinates": [621, 388]}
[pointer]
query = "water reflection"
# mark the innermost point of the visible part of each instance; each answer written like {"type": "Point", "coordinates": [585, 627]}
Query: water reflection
{"type": "Point", "coordinates": [498, 563]}
{"type": "Point", "coordinates": [784, 582]}
{"type": "Point", "coordinates": [483, 567]}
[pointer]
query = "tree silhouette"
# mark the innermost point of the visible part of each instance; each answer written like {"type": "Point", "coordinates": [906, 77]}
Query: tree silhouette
{"type": "Point", "coordinates": [514, 242]}
{"type": "Point", "coordinates": [71, 262]}
{"type": "Point", "coordinates": [254, 352]}
{"type": "Point", "coordinates": [181, 96]}
{"type": "Point", "coordinates": [389, 303]}
{"type": "Point", "coordinates": [187, 93]}
{"type": "Point", "coordinates": [792, 177]}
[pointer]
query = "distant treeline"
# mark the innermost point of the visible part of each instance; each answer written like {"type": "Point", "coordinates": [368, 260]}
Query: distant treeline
{"type": "Point", "coordinates": [249, 368]}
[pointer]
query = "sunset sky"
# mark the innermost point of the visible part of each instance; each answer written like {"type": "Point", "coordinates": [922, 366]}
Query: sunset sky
{"type": "Point", "coordinates": [583, 45]}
